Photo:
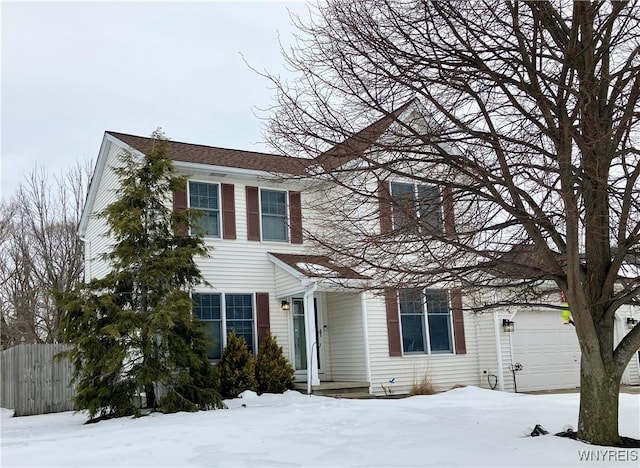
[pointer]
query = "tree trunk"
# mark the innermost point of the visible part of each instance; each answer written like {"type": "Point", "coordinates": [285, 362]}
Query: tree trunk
{"type": "Point", "coordinates": [151, 396]}
{"type": "Point", "coordinates": [599, 389]}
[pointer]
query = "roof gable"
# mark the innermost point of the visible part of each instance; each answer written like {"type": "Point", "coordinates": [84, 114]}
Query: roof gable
{"type": "Point", "coordinates": [355, 146]}
{"type": "Point", "coordinates": [317, 266]}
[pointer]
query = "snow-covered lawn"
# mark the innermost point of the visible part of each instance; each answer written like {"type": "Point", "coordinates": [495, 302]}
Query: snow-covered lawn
{"type": "Point", "coordinates": [462, 427]}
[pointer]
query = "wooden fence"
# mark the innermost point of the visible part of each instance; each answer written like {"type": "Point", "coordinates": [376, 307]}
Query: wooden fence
{"type": "Point", "coordinates": [33, 382]}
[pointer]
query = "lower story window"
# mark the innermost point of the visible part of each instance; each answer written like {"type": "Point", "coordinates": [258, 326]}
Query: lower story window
{"type": "Point", "coordinates": [221, 313]}
{"type": "Point", "coordinates": [239, 315]}
{"type": "Point", "coordinates": [425, 318]}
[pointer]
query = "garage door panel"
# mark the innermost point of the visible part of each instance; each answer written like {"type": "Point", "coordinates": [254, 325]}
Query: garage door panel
{"type": "Point", "coordinates": [532, 382]}
{"type": "Point", "coordinates": [548, 351]}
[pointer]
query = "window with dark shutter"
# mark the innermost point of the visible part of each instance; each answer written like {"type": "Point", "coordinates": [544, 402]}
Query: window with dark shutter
{"type": "Point", "coordinates": [262, 316]}
{"type": "Point", "coordinates": [180, 204]}
{"type": "Point", "coordinates": [425, 320]}
{"type": "Point", "coordinates": [447, 207]}
{"type": "Point", "coordinates": [384, 202]}
{"type": "Point", "coordinates": [295, 217]}
{"type": "Point", "coordinates": [393, 322]}
{"type": "Point", "coordinates": [429, 207]}
{"type": "Point", "coordinates": [458, 322]}
{"type": "Point", "coordinates": [253, 214]}
{"type": "Point", "coordinates": [228, 212]}
{"type": "Point", "coordinates": [238, 311]}
{"type": "Point", "coordinates": [205, 199]}
{"type": "Point", "coordinates": [416, 208]}
{"type": "Point", "coordinates": [273, 215]}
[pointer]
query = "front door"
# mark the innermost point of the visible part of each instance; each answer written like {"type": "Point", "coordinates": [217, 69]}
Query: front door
{"type": "Point", "coordinates": [299, 339]}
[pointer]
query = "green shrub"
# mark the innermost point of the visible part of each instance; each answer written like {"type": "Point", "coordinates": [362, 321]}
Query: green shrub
{"type": "Point", "coordinates": [194, 390]}
{"type": "Point", "coordinates": [112, 390]}
{"type": "Point", "coordinates": [273, 372]}
{"type": "Point", "coordinates": [195, 382]}
{"type": "Point", "coordinates": [237, 367]}
{"type": "Point", "coordinates": [173, 402]}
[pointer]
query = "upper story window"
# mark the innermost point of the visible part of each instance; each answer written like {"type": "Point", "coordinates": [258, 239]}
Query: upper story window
{"type": "Point", "coordinates": [273, 213]}
{"type": "Point", "coordinates": [416, 208]}
{"type": "Point", "coordinates": [205, 198]}
{"type": "Point", "coordinates": [425, 318]}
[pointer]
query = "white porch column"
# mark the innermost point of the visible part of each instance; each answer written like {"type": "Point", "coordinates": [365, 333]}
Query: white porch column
{"type": "Point", "coordinates": [310, 334]}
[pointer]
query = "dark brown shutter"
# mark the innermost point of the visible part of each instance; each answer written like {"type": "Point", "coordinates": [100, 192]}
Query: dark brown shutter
{"type": "Point", "coordinates": [393, 322]}
{"type": "Point", "coordinates": [253, 214]}
{"type": "Point", "coordinates": [458, 321]}
{"type": "Point", "coordinates": [384, 201]}
{"type": "Point", "coordinates": [262, 316]}
{"type": "Point", "coordinates": [180, 204]}
{"type": "Point", "coordinates": [295, 217]}
{"type": "Point", "coordinates": [449, 215]}
{"type": "Point", "coordinates": [228, 212]}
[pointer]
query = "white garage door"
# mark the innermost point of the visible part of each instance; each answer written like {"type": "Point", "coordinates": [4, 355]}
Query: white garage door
{"type": "Point", "coordinates": [548, 351]}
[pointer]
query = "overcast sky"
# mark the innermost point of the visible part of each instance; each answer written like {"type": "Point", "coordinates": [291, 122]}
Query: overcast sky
{"type": "Point", "coordinates": [72, 70]}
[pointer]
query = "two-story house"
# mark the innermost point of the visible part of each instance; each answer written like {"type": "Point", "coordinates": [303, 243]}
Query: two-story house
{"type": "Point", "coordinates": [265, 274]}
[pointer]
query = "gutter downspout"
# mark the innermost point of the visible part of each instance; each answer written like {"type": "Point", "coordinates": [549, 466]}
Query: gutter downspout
{"type": "Point", "coordinates": [496, 330]}
{"type": "Point", "coordinates": [365, 331]}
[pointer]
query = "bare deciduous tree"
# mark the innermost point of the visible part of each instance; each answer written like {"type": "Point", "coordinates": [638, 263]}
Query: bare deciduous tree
{"type": "Point", "coordinates": [527, 117]}
{"type": "Point", "coordinates": [41, 254]}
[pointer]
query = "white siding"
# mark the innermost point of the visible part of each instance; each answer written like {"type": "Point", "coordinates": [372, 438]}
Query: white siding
{"type": "Point", "coordinates": [286, 284]}
{"type": "Point", "coordinates": [242, 266]}
{"type": "Point", "coordinates": [631, 374]}
{"type": "Point", "coordinates": [344, 317]}
{"type": "Point", "coordinates": [486, 349]}
{"type": "Point", "coordinates": [443, 370]}
{"type": "Point", "coordinates": [234, 266]}
{"type": "Point", "coordinates": [98, 242]}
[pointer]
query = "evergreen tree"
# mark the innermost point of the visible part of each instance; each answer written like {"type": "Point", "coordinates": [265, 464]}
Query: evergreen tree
{"type": "Point", "coordinates": [273, 372]}
{"type": "Point", "coordinates": [237, 367]}
{"type": "Point", "coordinates": [133, 329]}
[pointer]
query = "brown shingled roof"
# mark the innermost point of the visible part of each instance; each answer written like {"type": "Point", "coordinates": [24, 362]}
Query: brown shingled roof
{"type": "Point", "coordinates": [354, 146]}
{"type": "Point", "coordinates": [523, 262]}
{"type": "Point", "coordinates": [337, 271]}
{"type": "Point", "coordinates": [221, 156]}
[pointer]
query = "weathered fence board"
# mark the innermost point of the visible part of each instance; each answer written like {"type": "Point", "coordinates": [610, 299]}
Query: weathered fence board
{"type": "Point", "coordinates": [33, 382]}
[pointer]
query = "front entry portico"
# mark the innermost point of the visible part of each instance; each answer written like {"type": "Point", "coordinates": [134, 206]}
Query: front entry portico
{"type": "Point", "coordinates": [327, 319]}
{"type": "Point", "coordinates": [300, 342]}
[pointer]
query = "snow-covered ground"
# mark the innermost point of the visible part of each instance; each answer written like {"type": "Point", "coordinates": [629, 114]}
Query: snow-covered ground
{"type": "Point", "coordinates": [462, 427]}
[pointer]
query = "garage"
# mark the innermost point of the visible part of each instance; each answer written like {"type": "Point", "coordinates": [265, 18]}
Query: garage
{"type": "Point", "coordinates": [547, 349]}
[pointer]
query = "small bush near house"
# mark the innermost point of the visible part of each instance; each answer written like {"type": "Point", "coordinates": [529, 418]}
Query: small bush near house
{"type": "Point", "coordinates": [273, 372]}
{"type": "Point", "coordinates": [237, 367]}
{"type": "Point", "coordinates": [423, 387]}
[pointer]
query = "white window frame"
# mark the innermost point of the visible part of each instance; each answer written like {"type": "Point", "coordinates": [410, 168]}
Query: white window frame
{"type": "Point", "coordinates": [223, 318]}
{"type": "Point", "coordinates": [219, 210]}
{"type": "Point", "coordinates": [287, 238]}
{"type": "Point", "coordinates": [416, 209]}
{"type": "Point", "coordinates": [425, 326]}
